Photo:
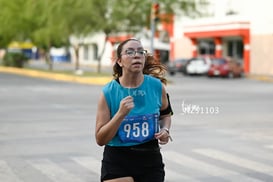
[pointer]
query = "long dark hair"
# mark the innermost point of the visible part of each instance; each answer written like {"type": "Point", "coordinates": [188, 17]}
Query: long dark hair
{"type": "Point", "coordinates": [155, 68]}
{"type": "Point", "coordinates": [152, 65]}
{"type": "Point", "coordinates": [117, 70]}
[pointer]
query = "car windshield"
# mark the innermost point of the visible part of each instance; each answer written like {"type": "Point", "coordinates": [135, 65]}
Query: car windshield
{"type": "Point", "coordinates": [197, 60]}
{"type": "Point", "coordinates": [181, 61]}
{"type": "Point", "coordinates": [218, 61]}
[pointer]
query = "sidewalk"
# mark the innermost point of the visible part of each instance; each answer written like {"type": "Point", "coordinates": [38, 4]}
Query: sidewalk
{"type": "Point", "coordinates": [58, 76]}
{"type": "Point", "coordinates": [264, 78]}
{"type": "Point", "coordinates": [80, 79]}
{"type": "Point", "coordinates": [66, 66]}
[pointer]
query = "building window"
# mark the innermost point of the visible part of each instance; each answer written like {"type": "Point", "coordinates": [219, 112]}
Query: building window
{"type": "Point", "coordinates": [206, 47]}
{"type": "Point", "coordinates": [164, 56]}
{"type": "Point", "coordinates": [235, 48]}
{"type": "Point", "coordinates": [164, 36]}
{"type": "Point", "coordinates": [95, 51]}
{"type": "Point", "coordinates": [86, 53]}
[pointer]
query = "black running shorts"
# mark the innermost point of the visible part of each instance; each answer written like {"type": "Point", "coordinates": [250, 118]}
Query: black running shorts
{"type": "Point", "coordinates": [142, 162]}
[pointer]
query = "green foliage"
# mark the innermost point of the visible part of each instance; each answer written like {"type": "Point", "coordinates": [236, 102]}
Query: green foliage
{"type": "Point", "coordinates": [48, 22]}
{"type": "Point", "coordinates": [14, 59]}
{"type": "Point", "coordinates": [189, 8]}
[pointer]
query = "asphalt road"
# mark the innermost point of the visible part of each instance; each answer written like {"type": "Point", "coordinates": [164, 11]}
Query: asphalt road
{"type": "Point", "coordinates": [222, 130]}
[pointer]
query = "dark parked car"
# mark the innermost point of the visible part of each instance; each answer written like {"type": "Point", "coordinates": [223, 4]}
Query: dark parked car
{"type": "Point", "coordinates": [178, 65]}
{"type": "Point", "coordinates": [225, 68]}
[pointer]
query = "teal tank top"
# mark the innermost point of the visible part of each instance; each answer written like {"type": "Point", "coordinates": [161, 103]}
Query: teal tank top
{"type": "Point", "coordinates": [140, 125]}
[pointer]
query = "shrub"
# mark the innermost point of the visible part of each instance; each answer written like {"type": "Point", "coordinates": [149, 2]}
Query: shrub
{"type": "Point", "coordinates": [14, 59]}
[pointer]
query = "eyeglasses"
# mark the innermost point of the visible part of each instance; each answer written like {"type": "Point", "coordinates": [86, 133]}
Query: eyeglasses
{"type": "Point", "coordinates": [132, 53]}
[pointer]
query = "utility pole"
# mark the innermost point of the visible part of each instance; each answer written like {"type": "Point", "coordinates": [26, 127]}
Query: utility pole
{"type": "Point", "coordinates": [154, 19]}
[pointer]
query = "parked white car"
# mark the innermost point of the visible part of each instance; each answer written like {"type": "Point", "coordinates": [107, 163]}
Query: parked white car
{"type": "Point", "coordinates": [198, 66]}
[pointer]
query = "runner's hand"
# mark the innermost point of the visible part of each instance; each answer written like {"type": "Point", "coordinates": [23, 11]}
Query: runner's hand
{"type": "Point", "coordinates": [163, 137]}
{"type": "Point", "coordinates": [126, 105]}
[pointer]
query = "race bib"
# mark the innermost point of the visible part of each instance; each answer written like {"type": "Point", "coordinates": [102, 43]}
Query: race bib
{"type": "Point", "coordinates": [139, 128]}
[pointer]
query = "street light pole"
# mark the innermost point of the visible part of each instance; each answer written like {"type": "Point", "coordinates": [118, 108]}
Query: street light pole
{"type": "Point", "coordinates": [152, 24]}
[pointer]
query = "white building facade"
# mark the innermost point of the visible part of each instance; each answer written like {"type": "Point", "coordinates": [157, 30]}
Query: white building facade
{"type": "Point", "coordinates": [238, 28]}
{"type": "Point", "coordinates": [91, 47]}
{"type": "Point", "coordinates": [242, 29]}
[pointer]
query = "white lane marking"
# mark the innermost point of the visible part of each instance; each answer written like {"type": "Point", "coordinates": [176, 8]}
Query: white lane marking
{"type": "Point", "coordinates": [269, 146]}
{"type": "Point", "coordinates": [239, 161]}
{"type": "Point", "coordinates": [6, 173]}
{"type": "Point", "coordinates": [53, 171]}
{"type": "Point", "coordinates": [94, 165]}
{"type": "Point", "coordinates": [175, 176]}
{"type": "Point", "coordinates": [90, 163]}
{"type": "Point", "coordinates": [205, 167]}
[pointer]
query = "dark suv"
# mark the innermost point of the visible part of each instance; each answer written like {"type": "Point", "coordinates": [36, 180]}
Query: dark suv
{"type": "Point", "coordinates": [178, 65]}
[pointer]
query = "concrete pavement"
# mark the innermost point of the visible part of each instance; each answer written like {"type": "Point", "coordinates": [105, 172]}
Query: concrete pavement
{"type": "Point", "coordinates": [47, 131]}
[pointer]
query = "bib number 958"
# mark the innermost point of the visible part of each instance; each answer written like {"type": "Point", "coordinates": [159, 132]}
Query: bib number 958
{"type": "Point", "coordinates": [138, 129]}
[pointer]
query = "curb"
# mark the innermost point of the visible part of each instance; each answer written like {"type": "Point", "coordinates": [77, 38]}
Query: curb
{"type": "Point", "coordinates": [261, 78]}
{"type": "Point", "coordinates": [57, 76]}
{"type": "Point", "coordinates": [90, 80]}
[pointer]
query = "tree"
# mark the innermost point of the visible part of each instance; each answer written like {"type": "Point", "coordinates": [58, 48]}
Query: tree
{"type": "Point", "coordinates": [47, 23]}
{"type": "Point", "coordinates": [60, 20]}
{"type": "Point", "coordinates": [79, 23]}
{"type": "Point", "coordinates": [49, 30]}
{"type": "Point", "coordinates": [16, 24]}
{"type": "Point", "coordinates": [51, 23]}
{"type": "Point", "coordinates": [130, 16]}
